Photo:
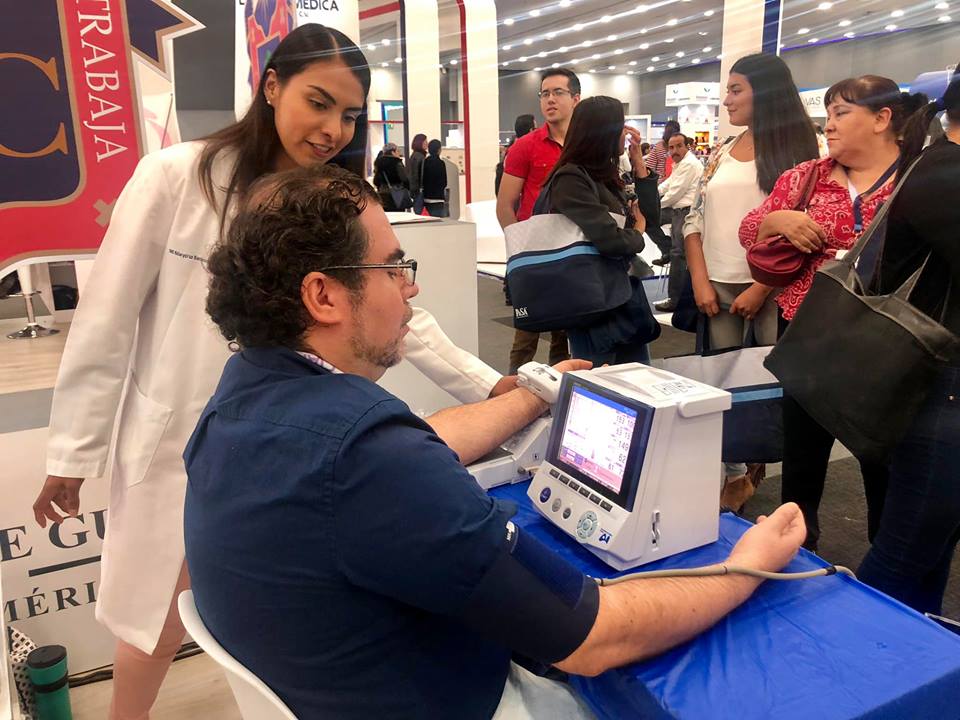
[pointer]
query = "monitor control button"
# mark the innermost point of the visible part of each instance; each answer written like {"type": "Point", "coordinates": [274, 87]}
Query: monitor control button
{"type": "Point", "coordinates": [586, 525]}
{"type": "Point", "coordinates": [554, 473]}
{"type": "Point", "coordinates": [595, 499]}
{"type": "Point", "coordinates": [584, 491]}
{"type": "Point", "coordinates": [574, 485]}
{"type": "Point", "coordinates": [564, 479]}
{"type": "Point", "coordinates": [566, 514]}
{"type": "Point", "coordinates": [544, 494]}
{"type": "Point", "coordinates": [556, 505]}
{"type": "Point", "coordinates": [605, 505]}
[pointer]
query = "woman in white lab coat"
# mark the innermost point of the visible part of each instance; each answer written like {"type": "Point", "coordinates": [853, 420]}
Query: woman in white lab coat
{"type": "Point", "coordinates": [141, 343]}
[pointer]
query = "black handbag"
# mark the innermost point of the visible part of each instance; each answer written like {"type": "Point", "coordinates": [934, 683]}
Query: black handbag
{"type": "Point", "coordinates": [861, 364]}
{"type": "Point", "coordinates": [400, 194]}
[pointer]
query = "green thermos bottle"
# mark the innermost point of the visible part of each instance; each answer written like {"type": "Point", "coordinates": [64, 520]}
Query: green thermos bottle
{"type": "Point", "coordinates": [47, 669]}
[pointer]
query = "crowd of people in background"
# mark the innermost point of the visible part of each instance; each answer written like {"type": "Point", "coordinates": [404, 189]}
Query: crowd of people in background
{"type": "Point", "coordinates": [744, 191]}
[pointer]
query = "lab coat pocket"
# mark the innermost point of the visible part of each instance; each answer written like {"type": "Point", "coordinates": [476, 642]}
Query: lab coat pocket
{"type": "Point", "coordinates": [142, 424]}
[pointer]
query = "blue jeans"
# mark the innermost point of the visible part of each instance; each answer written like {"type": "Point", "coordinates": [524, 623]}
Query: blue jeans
{"type": "Point", "coordinates": [919, 512]}
{"type": "Point", "coordinates": [582, 348]}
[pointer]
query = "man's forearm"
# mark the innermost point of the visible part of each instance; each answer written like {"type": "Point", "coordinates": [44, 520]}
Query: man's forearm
{"type": "Point", "coordinates": [642, 618]}
{"type": "Point", "coordinates": [506, 216]}
{"type": "Point", "coordinates": [474, 430]}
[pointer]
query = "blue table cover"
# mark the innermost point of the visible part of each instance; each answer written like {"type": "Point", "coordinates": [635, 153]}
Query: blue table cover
{"type": "Point", "coordinates": [813, 649]}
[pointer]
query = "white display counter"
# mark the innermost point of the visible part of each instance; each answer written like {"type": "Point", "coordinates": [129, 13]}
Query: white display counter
{"type": "Point", "coordinates": [446, 253]}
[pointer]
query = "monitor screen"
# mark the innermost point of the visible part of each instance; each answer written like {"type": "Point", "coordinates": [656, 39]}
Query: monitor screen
{"type": "Point", "coordinates": [596, 437]}
{"type": "Point", "coordinates": [600, 438]}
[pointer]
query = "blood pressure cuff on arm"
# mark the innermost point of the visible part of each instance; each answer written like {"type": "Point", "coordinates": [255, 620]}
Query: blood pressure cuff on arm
{"type": "Point", "coordinates": [533, 601]}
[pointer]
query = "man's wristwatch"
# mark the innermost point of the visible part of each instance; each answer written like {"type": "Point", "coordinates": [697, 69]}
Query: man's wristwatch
{"type": "Point", "coordinates": [542, 380]}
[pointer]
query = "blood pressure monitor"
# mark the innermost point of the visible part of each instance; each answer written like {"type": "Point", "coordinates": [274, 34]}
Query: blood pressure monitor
{"type": "Point", "coordinates": [632, 466]}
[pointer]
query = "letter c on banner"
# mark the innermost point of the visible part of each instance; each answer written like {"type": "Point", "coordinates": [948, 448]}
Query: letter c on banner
{"type": "Point", "coordinates": [59, 142]}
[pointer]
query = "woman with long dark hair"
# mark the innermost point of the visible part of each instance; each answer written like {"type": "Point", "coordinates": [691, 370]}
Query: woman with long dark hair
{"type": "Point", "coordinates": [586, 187]}
{"type": "Point", "coordinates": [762, 98]}
{"type": "Point", "coordinates": [865, 119]}
{"type": "Point", "coordinates": [418, 153]}
{"type": "Point", "coordinates": [141, 334]}
{"type": "Point", "coordinates": [917, 514]}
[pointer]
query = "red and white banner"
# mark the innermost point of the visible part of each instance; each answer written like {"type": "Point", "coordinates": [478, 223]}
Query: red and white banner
{"type": "Point", "coordinates": [91, 79]}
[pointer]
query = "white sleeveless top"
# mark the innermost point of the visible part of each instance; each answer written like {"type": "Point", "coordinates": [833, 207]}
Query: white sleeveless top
{"type": "Point", "coordinates": [731, 193]}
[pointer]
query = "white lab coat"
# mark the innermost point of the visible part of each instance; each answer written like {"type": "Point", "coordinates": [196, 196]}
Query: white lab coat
{"type": "Point", "coordinates": [141, 342]}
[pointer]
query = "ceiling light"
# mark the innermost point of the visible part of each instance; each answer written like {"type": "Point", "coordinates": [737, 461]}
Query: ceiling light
{"type": "Point", "coordinates": [844, 23]}
{"type": "Point", "coordinates": [575, 61]}
{"type": "Point", "coordinates": [611, 38]}
{"type": "Point", "coordinates": [504, 63]}
{"type": "Point", "coordinates": [890, 28]}
{"type": "Point", "coordinates": [650, 68]}
{"type": "Point", "coordinates": [592, 71]}
{"type": "Point", "coordinates": [681, 53]}
{"type": "Point", "coordinates": [720, 56]}
{"type": "Point", "coordinates": [618, 51]}
{"type": "Point", "coordinates": [645, 46]}
{"type": "Point", "coordinates": [551, 35]}
{"type": "Point", "coordinates": [563, 49]}
{"type": "Point", "coordinates": [703, 33]}
{"type": "Point", "coordinates": [507, 47]}
{"type": "Point", "coordinates": [897, 13]}
{"type": "Point", "coordinates": [611, 67]}
{"type": "Point", "coordinates": [632, 63]}
{"type": "Point", "coordinates": [641, 8]}
{"type": "Point", "coordinates": [696, 61]}
{"type": "Point", "coordinates": [565, 3]}
{"type": "Point", "coordinates": [537, 69]}
{"type": "Point", "coordinates": [672, 65]}
{"type": "Point", "coordinates": [849, 35]}
{"type": "Point", "coordinates": [708, 13]}
{"type": "Point", "coordinates": [629, 72]}
{"type": "Point", "coordinates": [596, 56]}
{"type": "Point", "coordinates": [708, 48]}
{"type": "Point", "coordinates": [542, 53]}
{"type": "Point", "coordinates": [578, 27]}
{"type": "Point", "coordinates": [671, 22]}
{"type": "Point", "coordinates": [655, 58]}
{"type": "Point", "coordinates": [508, 21]}
{"type": "Point", "coordinates": [384, 64]}
{"type": "Point", "coordinates": [606, 19]}
{"type": "Point", "coordinates": [586, 43]}
{"type": "Point", "coordinates": [555, 65]}
{"type": "Point", "coordinates": [803, 31]}
{"type": "Point", "coordinates": [534, 13]}
{"type": "Point", "coordinates": [944, 18]}
{"type": "Point", "coordinates": [528, 41]}
{"type": "Point", "coordinates": [400, 60]}
{"type": "Point", "coordinates": [643, 31]}
{"type": "Point", "coordinates": [942, 6]}
{"type": "Point", "coordinates": [669, 40]}
{"type": "Point", "coordinates": [371, 48]}
{"type": "Point", "coordinates": [386, 42]}
{"type": "Point", "coordinates": [522, 58]}
{"type": "Point", "coordinates": [825, 6]}
{"type": "Point", "coordinates": [452, 62]}
{"type": "Point", "coordinates": [813, 40]}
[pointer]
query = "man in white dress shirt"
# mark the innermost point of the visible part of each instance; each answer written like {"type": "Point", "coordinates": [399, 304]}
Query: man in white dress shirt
{"type": "Point", "coordinates": [677, 193]}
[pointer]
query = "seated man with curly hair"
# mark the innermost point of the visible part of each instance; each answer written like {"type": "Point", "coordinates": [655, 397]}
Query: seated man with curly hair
{"type": "Point", "coordinates": [337, 547]}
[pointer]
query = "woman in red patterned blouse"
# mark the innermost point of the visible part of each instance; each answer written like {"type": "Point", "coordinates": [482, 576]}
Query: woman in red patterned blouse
{"type": "Point", "coordinates": [865, 117]}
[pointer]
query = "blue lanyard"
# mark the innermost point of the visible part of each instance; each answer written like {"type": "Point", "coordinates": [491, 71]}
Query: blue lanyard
{"type": "Point", "coordinates": [858, 201]}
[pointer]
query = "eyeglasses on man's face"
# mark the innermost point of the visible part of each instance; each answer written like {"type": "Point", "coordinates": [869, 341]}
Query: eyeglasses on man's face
{"type": "Point", "coordinates": [405, 270]}
{"type": "Point", "coordinates": [555, 92]}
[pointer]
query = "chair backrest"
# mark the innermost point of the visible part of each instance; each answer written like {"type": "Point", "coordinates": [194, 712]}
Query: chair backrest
{"type": "Point", "coordinates": [255, 699]}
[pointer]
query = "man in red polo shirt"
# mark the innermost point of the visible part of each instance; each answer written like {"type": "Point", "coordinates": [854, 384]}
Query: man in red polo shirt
{"type": "Point", "coordinates": [529, 161]}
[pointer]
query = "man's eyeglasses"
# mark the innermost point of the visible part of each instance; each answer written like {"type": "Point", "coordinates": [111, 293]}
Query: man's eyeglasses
{"type": "Point", "coordinates": [405, 270]}
{"type": "Point", "coordinates": [557, 93]}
